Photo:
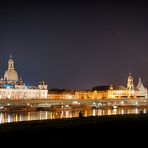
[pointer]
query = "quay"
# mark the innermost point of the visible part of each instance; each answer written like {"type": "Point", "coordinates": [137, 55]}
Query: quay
{"type": "Point", "coordinates": [45, 103]}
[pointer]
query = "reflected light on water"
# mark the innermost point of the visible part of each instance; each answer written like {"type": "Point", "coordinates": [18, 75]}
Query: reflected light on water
{"type": "Point", "coordinates": [16, 118]}
{"type": "Point", "coordinates": [85, 113]}
{"type": "Point", "coordinates": [122, 111]}
{"type": "Point", "coordinates": [41, 115]}
{"type": "Point", "coordinates": [109, 112]}
{"type": "Point", "coordinates": [144, 111]}
{"type": "Point", "coordinates": [9, 118]}
{"type": "Point", "coordinates": [99, 112]}
{"type": "Point", "coordinates": [128, 111]}
{"type": "Point", "coordinates": [28, 116]}
{"type": "Point", "coordinates": [20, 117]}
{"type": "Point", "coordinates": [46, 115]}
{"type": "Point", "coordinates": [103, 113]}
{"type": "Point", "coordinates": [114, 111]}
{"type": "Point", "coordinates": [62, 114]}
{"type": "Point", "coordinates": [136, 111]}
{"type": "Point", "coordinates": [67, 114]}
{"type": "Point", "coordinates": [94, 112]}
{"type": "Point", "coordinates": [1, 118]}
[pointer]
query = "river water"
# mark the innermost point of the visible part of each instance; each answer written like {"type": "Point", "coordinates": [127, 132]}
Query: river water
{"type": "Point", "coordinates": [43, 115]}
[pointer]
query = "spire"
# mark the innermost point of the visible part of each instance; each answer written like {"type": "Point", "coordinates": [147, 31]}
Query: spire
{"type": "Point", "coordinates": [140, 80]}
{"type": "Point", "coordinates": [10, 56]}
{"type": "Point", "coordinates": [140, 84]}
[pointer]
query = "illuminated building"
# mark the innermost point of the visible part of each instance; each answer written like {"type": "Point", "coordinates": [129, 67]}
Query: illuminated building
{"type": "Point", "coordinates": [116, 92]}
{"type": "Point", "coordinates": [106, 92]}
{"type": "Point", "coordinates": [13, 87]}
{"type": "Point", "coordinates": [61, 94]}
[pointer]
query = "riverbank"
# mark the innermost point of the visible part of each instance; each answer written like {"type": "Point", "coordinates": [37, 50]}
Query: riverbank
{"type": "Point", "coordinates": [56, 127]}
{"type": "Point", "coordinates": [104, 131]}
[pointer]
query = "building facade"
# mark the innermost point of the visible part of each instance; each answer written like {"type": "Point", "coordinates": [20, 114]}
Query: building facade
{"type": "Point", "coordinates": [116, 92]}
{"type": "Point", "coordinates": [13, 87]}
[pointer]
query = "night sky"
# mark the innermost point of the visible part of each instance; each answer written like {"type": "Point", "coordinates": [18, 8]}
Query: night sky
{"type": "Point", "coordinates": [75, 45]}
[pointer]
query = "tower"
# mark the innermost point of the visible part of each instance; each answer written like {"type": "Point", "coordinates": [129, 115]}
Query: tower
{"type": "Point", "coordinates": [130, 84]}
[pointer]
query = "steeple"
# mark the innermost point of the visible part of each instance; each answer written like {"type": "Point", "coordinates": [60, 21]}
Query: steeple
{"type": "Point", "coordinates": [140, 84]}
{"type": "Point", "coordinates": [139, 80]}
{"type": "Point", "coordinates": [10, 56]}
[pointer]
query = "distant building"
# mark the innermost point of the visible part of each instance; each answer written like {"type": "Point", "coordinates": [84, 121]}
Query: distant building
{"type": "Point", "coordinates": [118, 92]}
{"type": "Point", "coordinates": [61, 94]}
{"type": "Point", "coordinates": [105, 92]}
{"type": "Point", "coordinates": [13, 87]}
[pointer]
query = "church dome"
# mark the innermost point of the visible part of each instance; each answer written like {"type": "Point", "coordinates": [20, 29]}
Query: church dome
{"type": "Point", "coordinates": [11, 75]}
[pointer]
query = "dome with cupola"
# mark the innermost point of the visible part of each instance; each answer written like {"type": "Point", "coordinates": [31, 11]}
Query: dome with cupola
{"type": "Point", "coordinates": [11, 75]}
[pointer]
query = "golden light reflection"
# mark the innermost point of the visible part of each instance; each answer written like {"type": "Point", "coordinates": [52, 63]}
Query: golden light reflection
{"type": "Point", "coordinates": [136, 111]}
{"type": "Point", "coordinates": [128, 111]}
{"type": "Point", "coordinates": [62, 113]}
{"type": "Point", "coordinates": [99, 112]}
{"type": "Point", "coordinates": [103, 113]}
{"type": "Point", "coordinates": [67, 114]}
{"type": "Point", "coordinates": [29, 118]}
{"type": "Point", "coordinates": [20, 118]}
{"type": "Point", "coordinates": [122, 111]}
{"type": "Point", "coordinates": [108, 112]}
{"type": "Point", "coordinates": [114, 112]}
{"type": "Point", "coordinates": [2, 118]}
{"type": "Point", "coordinates": [94, 112]}
{"type": "Point", "coordinates": [15, 117]}
{"type": "Point", "coordinates": [46, 115]}
{"type": "Point", "coordinates": [85, 113]}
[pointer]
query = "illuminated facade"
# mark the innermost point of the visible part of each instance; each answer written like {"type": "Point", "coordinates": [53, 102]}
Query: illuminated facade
{"type": "Point", "coordinates": [61, 94]}
{"type": "Point", "coordinates": [13, 87]}
{"type": "Point", "coordinates": [116, 92]}
{"type": "Point", "coordinates": [107, 92]}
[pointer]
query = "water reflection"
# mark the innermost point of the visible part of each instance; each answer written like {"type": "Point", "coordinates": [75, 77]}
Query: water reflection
{"type": "Point", "coordinates": [42, 115]}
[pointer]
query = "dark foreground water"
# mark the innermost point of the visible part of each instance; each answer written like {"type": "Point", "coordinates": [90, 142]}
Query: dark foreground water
{"type": "Point", "coordinates": [42, 115]}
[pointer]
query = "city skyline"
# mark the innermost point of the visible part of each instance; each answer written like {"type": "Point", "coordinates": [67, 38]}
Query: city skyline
{"type": "Point", "coordinates": [75, 45]}
{"type": "Point", "coordinates": [16, 78]}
